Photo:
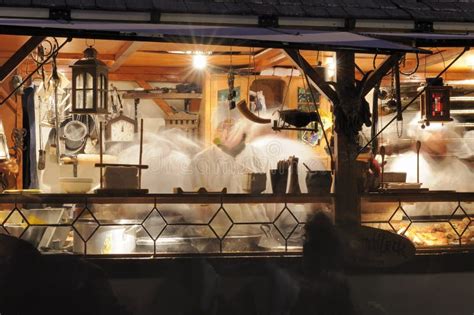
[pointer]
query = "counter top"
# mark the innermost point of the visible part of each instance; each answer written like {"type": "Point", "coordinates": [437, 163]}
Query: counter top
{"type": "Point", "coordinates": [216, 198]}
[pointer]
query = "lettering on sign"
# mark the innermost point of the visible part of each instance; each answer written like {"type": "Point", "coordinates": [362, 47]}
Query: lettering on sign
{"type": "Point", "coordinates": [370, 247]}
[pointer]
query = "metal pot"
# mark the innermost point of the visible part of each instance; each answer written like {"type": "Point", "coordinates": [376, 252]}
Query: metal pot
{"type": "Point", "coordinates": [119, 238]}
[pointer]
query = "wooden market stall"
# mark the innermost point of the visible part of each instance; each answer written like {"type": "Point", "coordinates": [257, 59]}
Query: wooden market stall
{"type": "Point", "coordinates": [155, 78]}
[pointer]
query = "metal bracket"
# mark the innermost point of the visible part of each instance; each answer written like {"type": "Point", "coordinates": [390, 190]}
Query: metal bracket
{"type": "Point", "coordinates": [424, 27]}
{"type": "Point", "coordinates": [60, 14]}
{"type": "Point", "coordinates": [155, 17]}
{"type": "Point", "coordinates": [268, 21]}
{"type": "Point", "coordinates": [349, 24]}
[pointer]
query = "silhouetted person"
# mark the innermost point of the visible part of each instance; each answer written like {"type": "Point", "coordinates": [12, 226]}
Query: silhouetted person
{"type": "Point", "coordinates": [323, 289]}
{"type": "Point", "coordinates": [31, 283]}
{"type": "Point", "coordinates": [319, 289]}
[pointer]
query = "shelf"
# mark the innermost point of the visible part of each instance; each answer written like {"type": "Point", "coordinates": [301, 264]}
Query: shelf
{"type": "Point", "coordinates": [213, 198]}
{"type": "Point", "coordinates": [429, 196]}
{"type": "Point", "coordinates": [217, 198]}
{"type": "Point", "coordinates": [164, 96]}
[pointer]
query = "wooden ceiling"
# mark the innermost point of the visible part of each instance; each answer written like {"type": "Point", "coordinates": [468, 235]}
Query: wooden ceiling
{"type": "Point", "coordinates": [136, 57]}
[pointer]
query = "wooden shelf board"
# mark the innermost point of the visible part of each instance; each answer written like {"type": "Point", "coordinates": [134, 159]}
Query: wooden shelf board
{"type": "Point", "coordinates": [165, 198]}
{"type": "Point", "coordinates": [164, 96]}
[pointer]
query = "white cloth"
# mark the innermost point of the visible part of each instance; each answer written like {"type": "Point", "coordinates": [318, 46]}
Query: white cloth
{"type": "Point", "coordinates": [214, 170]}
{"type": "Point", "coordinates": [445, 173]}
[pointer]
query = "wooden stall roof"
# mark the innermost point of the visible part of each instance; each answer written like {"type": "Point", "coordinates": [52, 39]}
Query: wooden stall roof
{"type": "Point", "coordinates": [426, 10]}
{"type": "Point", "coordinates": [170, 60]}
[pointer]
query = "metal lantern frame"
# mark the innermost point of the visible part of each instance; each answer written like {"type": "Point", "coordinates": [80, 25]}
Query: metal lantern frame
{"type": "Point", "coordinates": [90, 84]}
{"type": "Point", "coordinates": [428, 114]}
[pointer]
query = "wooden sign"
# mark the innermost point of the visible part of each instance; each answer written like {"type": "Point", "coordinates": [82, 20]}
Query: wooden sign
{"type": "Point", "coordinates": [369, 247]}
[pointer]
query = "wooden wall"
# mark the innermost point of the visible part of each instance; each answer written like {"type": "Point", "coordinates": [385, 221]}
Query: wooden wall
{"type": "Point", "coordinates": [216, 82]}
{"type": "Point", "coordinates": [11, 116]}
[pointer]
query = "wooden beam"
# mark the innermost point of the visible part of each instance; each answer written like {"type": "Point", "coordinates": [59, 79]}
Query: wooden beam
{"type": "Point", "coordinates": [270, 62]}
{"type": "Point", "coordinates": [66, 56]}
{"type": "Point", "coordinates": [12, 105]}
{"type": "Point", "coordinates": [152, 70]}
{"type": "Point", "coordinates": [124, 53]}
{"type": "Point", "coordinates": [14, 61]}
{"type": "Point", "coordinates": [441, 56]}
{"type": "Point", "coordinates": [347, 201]}
{"type": "Point", "coordinates": [265, 58]}
{"type": "Point", "coordinates": [165, 107]}
{"type": "Point", "coordinates": [377, 75]}
{"type": "Point", "coordinates": [144, 77]}
{"type": "Point", "coordinates": [314, 78]}
{"type": "Point", "coordinates": [166, 96]}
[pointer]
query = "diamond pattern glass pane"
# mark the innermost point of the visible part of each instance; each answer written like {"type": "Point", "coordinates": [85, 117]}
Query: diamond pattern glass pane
{"type": "Point", "coordinates": [86, 225]}
{"type": "Point", "coordinates": [46, 216]}
{"type": "Point", "coordinates": [113, 239]}
{"type": "Point", "coordinates": [187, 239]}
{"type": "Point", "coordinates": [399, 221]}
{"type": "Point", "coordinates": [15, 223]}
{"type": "Point", "coordinates": [248, 213]}
{"type": "Point", "coordinates": [3, 231]}
{"type": "Point", "coordinates": [377, 211]}
{"type": "Point", "coordinates": [459, 220]}
{"type": "Point", "coordinates": [154, 224]}
{"type": "Point", "coordinates": [300, 211]}
{"type": "Point", "coordinates": [243, 238]}
{"type": "Point", "coordinates": [468, 235]}
{"type": "Point", "coordinates": [295, 242]}
{"type": "Point", "coordinates": [286, 223]}
{"type": "Point", "coordinates": [105, 213]}
{"type": "Point", "coordinates": [221, 223]}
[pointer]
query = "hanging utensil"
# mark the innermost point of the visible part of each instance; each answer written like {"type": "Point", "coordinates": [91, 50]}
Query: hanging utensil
{"type": "Point", "coordinates": [114, 106]}
{"type": "Point", "coordinates": [245, 111]}
{"type": "Point", "coordinates": [375, 117]}
{"type": "Point", "coordinates": [41, 151]}
{"type": "Point", "coordinates": [418, 147]}
{"type": "Point", "coordinates": [398, 97]}
{"type": "Point", "coordinates": [232, 93]}
{"type": "Point", "coordinates": [382, 153]}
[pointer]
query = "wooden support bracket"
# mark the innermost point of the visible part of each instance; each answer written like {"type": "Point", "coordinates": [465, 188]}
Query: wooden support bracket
{"type": "Point", "coordinates": [14, 61]}
{"type": "Point", "coordinates": [315, 79]}
{"type": "Point", "coordinates": [124, 53]}
{"type": "Point", "coordinates": [165, 107]}
{"type": "Point", "coordinates": [376, 76]}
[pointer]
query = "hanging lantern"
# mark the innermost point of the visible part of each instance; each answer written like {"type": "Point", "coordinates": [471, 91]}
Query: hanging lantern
{"type": "Point", "coordinates": [435, 105]}
{"type": "Point", "coordinates": [89, 84]}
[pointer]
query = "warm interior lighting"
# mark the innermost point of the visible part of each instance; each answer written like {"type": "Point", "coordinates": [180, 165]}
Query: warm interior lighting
{"type": "Point", "coordinates": [199, 61]}
{"type": "Point", "coordinates": [331, 67]}
{"type": "Point", "coordinates": [470, 61]}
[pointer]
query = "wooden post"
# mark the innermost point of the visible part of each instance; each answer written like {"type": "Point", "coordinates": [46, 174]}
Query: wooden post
{"type": "Point", "coordinates": [347, 203]}
{"type": "Point", "coordinates": [140, 158]}
{"type": "Point", "coordinates": [101, 154]}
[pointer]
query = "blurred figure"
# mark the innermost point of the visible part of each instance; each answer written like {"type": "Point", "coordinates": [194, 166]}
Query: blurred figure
{"type": "Point", "coordinates": [31, 283]}
{"type": "Point", "coordinates": [323, 288]}
{"type": "Point", "coordinates": [320, 289]}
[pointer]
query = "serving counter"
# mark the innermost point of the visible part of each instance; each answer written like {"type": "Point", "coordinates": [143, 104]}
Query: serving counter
{"type": "Point", "coordinates": [172, 225]}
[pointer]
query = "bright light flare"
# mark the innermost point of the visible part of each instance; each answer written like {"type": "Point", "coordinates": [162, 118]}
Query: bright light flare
{"type": "Point", "coordinates": [199, 61]}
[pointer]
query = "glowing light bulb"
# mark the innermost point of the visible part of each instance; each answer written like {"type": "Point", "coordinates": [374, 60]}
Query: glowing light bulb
{"type": "Point", "coordinates": [331, 67]}
{"type": "Point", "coordinates": [470, 61]}
{"type": "Point", "coordinates": [199, 61]}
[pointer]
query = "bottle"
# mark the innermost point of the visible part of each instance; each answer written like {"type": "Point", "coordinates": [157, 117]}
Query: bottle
{"type": "Point", "coordinates": [294, 187]}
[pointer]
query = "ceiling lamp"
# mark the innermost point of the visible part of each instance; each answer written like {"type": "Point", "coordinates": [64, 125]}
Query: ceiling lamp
{"type": "Point", "coordinates": [199, 61]}
{"type": "Point", "coordinates": [89, 84]}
